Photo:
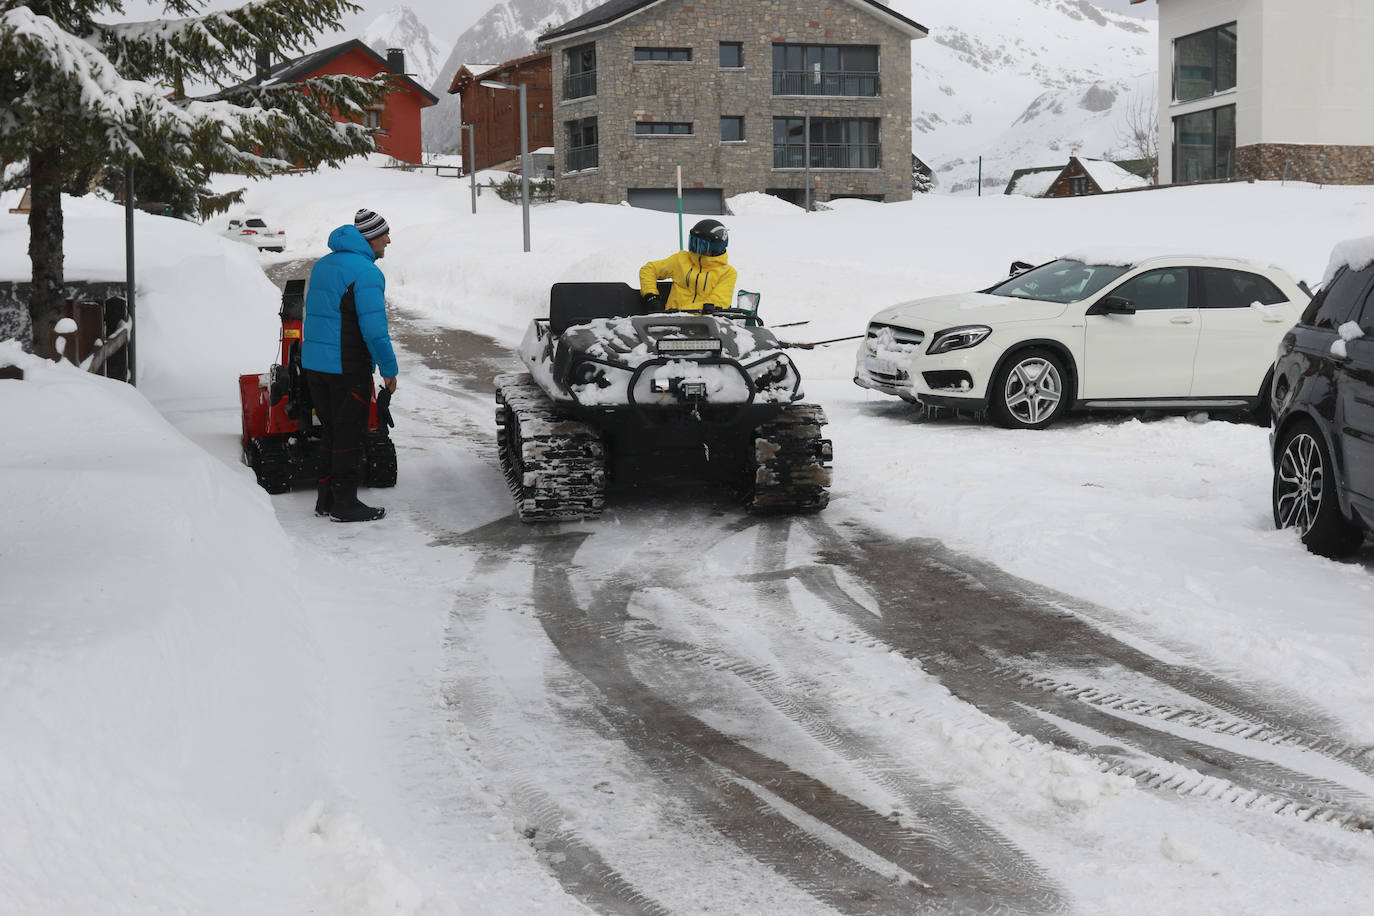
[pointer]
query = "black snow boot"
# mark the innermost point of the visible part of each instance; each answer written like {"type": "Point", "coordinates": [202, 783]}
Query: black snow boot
{"type": "Point", "coordinates": [345, 506]}
{"type": "Point", "coordinates": [324, 498]}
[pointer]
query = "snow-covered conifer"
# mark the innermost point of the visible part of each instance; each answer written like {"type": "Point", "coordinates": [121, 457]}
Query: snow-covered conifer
{"type": "Point", "coordinates": [80, 98]}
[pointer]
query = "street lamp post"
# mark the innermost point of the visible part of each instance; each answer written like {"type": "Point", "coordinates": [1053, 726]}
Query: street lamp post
{"type": "Point", "coordinates": [524, 154]}
{"type": "Point", "coordinates": [471, 163]}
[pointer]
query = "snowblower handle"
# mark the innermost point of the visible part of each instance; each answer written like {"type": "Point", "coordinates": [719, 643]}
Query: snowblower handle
{"type": "Point", "coordinates": [384, 407]}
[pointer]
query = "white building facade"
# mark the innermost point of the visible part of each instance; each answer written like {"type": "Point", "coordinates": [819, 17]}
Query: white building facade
{"type": "Point", "coordinates": [1269, 89]}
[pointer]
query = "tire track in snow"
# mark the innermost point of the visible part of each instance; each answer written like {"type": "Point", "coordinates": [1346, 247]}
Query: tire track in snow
{"type": "Point", "coordinates": [952, 863]}
{"type": "Point", "coordinates": [965, 622]}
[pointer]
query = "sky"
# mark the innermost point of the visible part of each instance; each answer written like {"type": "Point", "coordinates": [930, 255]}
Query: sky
{"type": "Point", "coordinates": [216, 703]}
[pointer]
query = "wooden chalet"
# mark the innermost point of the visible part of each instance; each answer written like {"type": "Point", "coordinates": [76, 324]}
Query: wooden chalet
{"type": "Point", "coordinates": [495, 113]}
{"type": "Point", "coordinates": [1080, 177]}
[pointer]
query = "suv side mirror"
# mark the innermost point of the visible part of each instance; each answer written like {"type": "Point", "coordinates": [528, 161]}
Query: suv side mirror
{"type": "Point", "coordinates": [1112, 305]}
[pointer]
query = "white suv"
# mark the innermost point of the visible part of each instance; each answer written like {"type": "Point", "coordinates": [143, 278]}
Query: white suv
{"type": "Point", "coordinates": [1089, 332]}
{"type": "Point", "coordinates": [255, 231]}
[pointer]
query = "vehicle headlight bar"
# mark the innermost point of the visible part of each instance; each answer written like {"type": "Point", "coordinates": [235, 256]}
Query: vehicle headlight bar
{"type": "Point", "coordinates": [689, 345]}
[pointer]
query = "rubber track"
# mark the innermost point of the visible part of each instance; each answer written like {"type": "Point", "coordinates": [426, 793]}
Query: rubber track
{"type": "Point", "coordinates": [272, 464]}
{"type": "Point", "coordinates": [554, 464]}
{"type": "Point", "coordinates": [791, 462]}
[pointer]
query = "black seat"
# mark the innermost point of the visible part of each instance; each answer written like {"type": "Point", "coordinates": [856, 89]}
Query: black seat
{"type": "Point", "coordinates": [578, 303]}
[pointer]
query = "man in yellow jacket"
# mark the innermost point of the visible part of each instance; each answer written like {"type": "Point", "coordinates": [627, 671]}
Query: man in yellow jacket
{"type": "Point", "coordinates": [701, 275]}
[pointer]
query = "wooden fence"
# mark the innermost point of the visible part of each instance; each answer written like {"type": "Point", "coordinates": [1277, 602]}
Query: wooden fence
{"type": "Point", "coordinates": [93, 330]}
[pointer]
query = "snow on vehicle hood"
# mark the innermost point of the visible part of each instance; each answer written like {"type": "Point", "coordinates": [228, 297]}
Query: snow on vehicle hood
{"type": "Point", "coordinates": [968, 308]}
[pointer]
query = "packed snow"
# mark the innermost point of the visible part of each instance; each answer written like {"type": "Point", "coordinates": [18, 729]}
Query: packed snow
{"type": "Point", "coordinates": [216, 703]}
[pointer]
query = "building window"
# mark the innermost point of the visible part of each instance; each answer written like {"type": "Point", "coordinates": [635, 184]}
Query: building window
{"type": "Point", "coordinates": [582, 144]}
{"type": "Point", "coordinates": [663, 53]}
{"type": "Point", "coordinates": [663, 128]}
{"type": "Point", "coordinates": [1078, 185]}
{"type": "Point", "coordinates": [1205, 145]}
{"type": "Point", "coordinates": [372, 118]}
{"type": "Point", "coordinates": [731, 128]}
{"type": "Point", "coordinates": [1205, 63]}
{"type": "Point", "coordinates": [579, 72]}
{"type": "Point", "coordinates": [825, 70]}
{"type": "Point", "coordinates": [835, 143]}
{"type": "Point", "coordinates": [731, 55]}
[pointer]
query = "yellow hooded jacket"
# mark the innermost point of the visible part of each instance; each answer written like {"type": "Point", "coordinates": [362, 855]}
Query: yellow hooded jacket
{"type": "Point", "coordinates": [697, 280]}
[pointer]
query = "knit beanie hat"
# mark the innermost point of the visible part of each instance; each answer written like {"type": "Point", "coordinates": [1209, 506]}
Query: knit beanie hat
{"type": "Point", "coordinates": [370, 224]}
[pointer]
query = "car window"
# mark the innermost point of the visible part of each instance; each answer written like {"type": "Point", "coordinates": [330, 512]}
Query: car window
{"type": "Point", "coordinates": [1338, 301]}
{"type": "Point", "coordinates": [1237, 289]}
{"type": "Point", "coordinates": [256, 223]}
{"type": "Point", "coordinates": [1059, 281]}
{"type": "Point", "coordinates": [1164, 288]}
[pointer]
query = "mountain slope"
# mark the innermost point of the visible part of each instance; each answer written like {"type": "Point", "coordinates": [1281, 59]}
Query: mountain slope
{"type": "Point", "coordinates": [399, 27]}
{"type": "Point", "coordinates": [1022, 83]}
{"type": "Point", "coordinates": [507, 30]}
{"type": "Point", "coordinates": [1018, 82]}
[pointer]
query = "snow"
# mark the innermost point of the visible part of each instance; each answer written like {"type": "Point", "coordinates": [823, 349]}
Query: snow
{"type": "Point", "coordinates": [1110, 176]}
{"type": "Point", "coordinates": [216, 703]}
{"type": "Point", "coordinates": [1034, 184]}
{"type": "Point", "coordinates": [1357, 254]}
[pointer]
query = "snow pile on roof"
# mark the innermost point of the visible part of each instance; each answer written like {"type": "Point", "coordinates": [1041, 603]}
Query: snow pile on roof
{"type": "Point", "coordinates": [757, 203]}
{"type": "Point", "coordinates": [1110, 176]}
{"type": "Point", "coordinates": [1353, 253]}
{"type": "Point", "coordinates": [1033, 184]}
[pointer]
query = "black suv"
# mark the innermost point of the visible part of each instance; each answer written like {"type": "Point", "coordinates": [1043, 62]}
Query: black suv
{"type": "Point", "coordinates": [1322, 441]}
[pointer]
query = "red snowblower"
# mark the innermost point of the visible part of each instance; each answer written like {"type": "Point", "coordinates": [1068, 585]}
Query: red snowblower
{"type": "Point", "coordinates": [281, 435]}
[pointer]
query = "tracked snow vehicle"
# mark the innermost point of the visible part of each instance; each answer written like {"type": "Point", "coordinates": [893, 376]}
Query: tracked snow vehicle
{"type": "Point", "coordinates": [616, 395]}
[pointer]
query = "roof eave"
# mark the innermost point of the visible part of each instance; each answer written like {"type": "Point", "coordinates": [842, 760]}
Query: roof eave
{"type": "Point", "coordinates": [913, 29]}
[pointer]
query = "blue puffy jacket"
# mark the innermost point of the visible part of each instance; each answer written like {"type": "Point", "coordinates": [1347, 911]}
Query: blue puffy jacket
{"type": "Point", "coordinates": [345, 310]}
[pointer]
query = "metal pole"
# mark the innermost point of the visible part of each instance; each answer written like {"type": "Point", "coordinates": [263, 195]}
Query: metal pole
{"type": "Point", "coordinates": [980, 176]}
{"type": "Point", "coordinates": [472, 163]}
{"type": "Point", "coordinates": [129, 266]}
{"type": "Point", "coordinates": [806, 156]}
{"type": "Point", "coordinates": [679, 209]}
{"type": "Point", "coordinates": [524, 167]}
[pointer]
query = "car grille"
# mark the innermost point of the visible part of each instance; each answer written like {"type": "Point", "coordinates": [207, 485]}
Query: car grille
{"type": "Point", "coordinates": [889, 337]}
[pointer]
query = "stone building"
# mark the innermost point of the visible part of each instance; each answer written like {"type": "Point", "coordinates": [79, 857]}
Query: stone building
{"type": "Point", "coordinates": [743, 95]}
{"type": "Point", "coordinates": [1266, 89]}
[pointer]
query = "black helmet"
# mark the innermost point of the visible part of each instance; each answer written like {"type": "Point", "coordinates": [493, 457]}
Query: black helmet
{"type": "Point", "coordinates": [708, 237]}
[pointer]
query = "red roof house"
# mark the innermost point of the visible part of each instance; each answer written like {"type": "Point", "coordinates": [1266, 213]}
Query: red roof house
{"type": "Point", "coordinates": [398, 117]}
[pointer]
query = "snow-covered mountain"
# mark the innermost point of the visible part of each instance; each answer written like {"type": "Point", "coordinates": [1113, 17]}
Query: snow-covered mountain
{"type": "Point", "coordinates": [399, 27]}
{"type": "Point", "coordinates": [1019, 82]}
{"type": "Point", "coordinates": [506, 31]}
{"type": "Point", "coordinates": [1023, 83]}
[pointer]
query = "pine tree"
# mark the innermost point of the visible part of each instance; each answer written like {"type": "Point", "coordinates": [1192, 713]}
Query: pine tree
{"type": "Point", "coordinates": [80, 98]}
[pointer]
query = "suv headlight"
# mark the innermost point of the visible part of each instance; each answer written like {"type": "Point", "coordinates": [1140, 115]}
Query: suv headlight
{"type": "Point", "coordinates": [960, 338]}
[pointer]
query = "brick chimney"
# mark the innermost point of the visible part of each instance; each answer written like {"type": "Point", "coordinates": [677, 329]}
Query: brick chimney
{"type": "Point", "coordinates": [396, 60]}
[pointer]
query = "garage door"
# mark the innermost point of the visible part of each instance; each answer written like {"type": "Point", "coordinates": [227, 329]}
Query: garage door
{"type": "Point", "coordinates": [710, 201]}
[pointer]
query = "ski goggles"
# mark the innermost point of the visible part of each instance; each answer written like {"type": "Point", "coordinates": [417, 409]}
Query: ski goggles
{"type": "Point", "coordinates": [713, 247]}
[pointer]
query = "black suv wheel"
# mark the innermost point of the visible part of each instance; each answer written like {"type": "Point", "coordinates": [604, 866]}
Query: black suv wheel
{"type": "Point", "coordinates": [1323, 409]}
{"type": "Point", "coordinates": [1305, 494]}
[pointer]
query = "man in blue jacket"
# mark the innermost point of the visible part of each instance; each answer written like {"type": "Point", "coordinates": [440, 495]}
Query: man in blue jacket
{"type": "Point", "coordinates": [345, 337]}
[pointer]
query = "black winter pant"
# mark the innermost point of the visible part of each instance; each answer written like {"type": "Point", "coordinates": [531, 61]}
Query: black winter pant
{"type": "Point", "coordinates": [341, 403]}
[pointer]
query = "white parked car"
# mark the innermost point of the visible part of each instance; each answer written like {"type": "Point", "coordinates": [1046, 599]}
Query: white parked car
{"type": "Point", "coordinates": [255, 231]}
{"type": "Point", "coordinates": [1090, 332]}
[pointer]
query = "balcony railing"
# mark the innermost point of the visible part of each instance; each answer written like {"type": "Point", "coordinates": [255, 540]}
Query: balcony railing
{"type": "Point", "coordinates": [826, 82]}
{"type": "Point", "coordinates": [582, 157]}
{"type": "Point", "coordinates": [579, 85]}
{"type": "Point", "coordinates": [828, 156]}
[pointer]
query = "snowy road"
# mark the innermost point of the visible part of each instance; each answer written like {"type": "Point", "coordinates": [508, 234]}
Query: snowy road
{"type": "Point", "coordinates": [693, 710]}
